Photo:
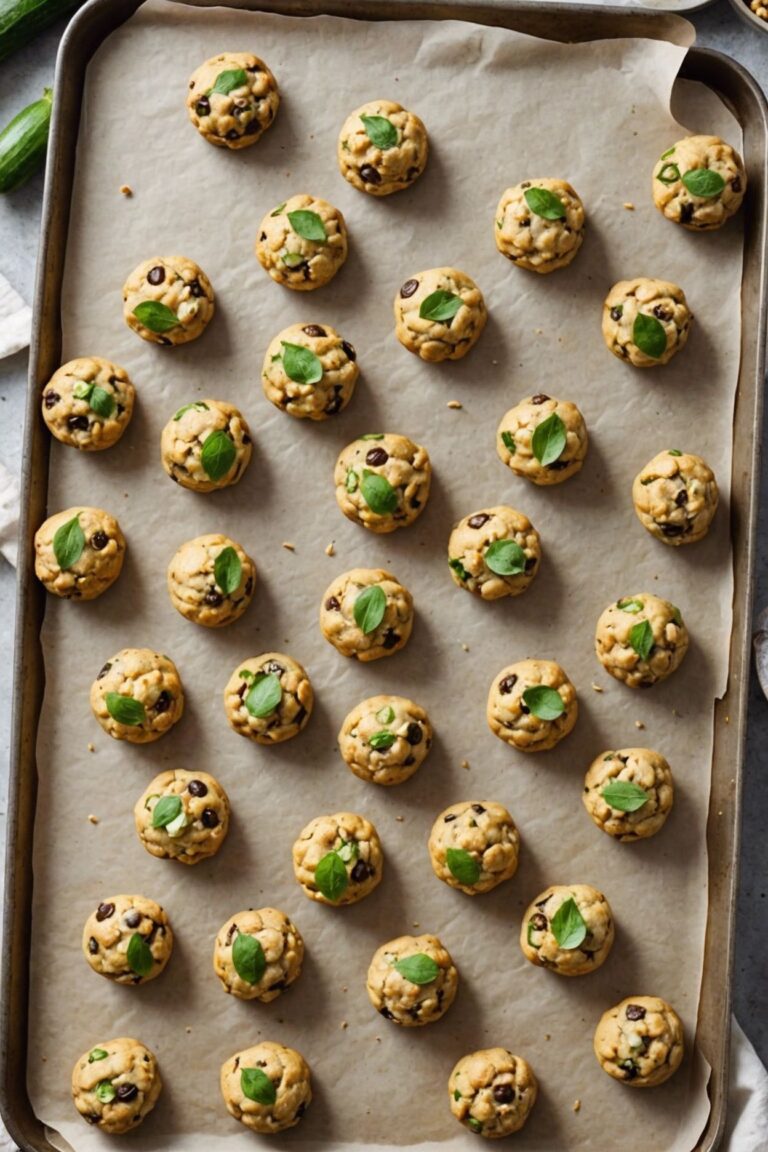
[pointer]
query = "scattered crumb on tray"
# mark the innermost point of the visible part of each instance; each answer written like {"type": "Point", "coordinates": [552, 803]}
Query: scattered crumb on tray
{"type": "Point", "coordinates": [92, 819]}
{"type": "Point", "coordinates": [639, 724]}
{"type": "Point", "coordinates": [91, 747]}
{"type": "Point", "coordinates": [399, 819]}
{"type": "Point", "coordinates": [465, 764]}
{"type": "Point", "coordinates": [465, 647]}
{"type": "Point", "coordinates": [288, 546]}
{"type": "Point", "coordinates": [597, 688]}
{"type": "Point", "coordinates": [455, 404]}
{"type": "Point", "coordinates": [577, 1103]}
{"type": "Point", "coordinates": [629, 206]}
{"type": "Point", "coordinates": [344, 1024]}
{"type": "Point", "coordinates": [330, 550]}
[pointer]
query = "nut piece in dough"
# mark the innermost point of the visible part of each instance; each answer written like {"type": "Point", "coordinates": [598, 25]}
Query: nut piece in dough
{"type": "Point", "coordinates": [92, 550]}
{"type": "Point", "coordinates": [412, 980]}
{"type": "Point", "coordinates": [675, 497]}
{"type": "Point", "coordinates": [382, 481]}
{"type": "Point", "coordinates": [168, 300]}
{"type": "Point", "coordinates": [137, 696]}
{"type": "Point", "coordinates": [116, 1084]}
{"type": "Point", "coordinates": [268, 698]}
{"type": "Point", "coordinates": [543, 925]}
{"type": "Point", "coordinates": [386, 154]}
{"type": "Point", "coordinates": [474, 846]}
{"type": "Point", "coordinates": [270, 1072]}
{"type": "Point", "coordinates": [539, 225]}
{"type": "Point", "coordinates": [194, 463]}
{"type": "Point", "coordinates": [534, 454]}
{"type": "Point", "coordinates": [641, 639]}
{"type": "Point", "coordinates": [266, 962]}
{"type": "Point", "coordinates": [642, 768]}
{"type": "Point", "coordinates": [385, 739]}
{"type": "Point", "coordinates": [699, 182]}
{"type": "Point", "coordinates": [309, 371]}
{"type": "Point", "coordinates": [439, 314]}
{"type": "Point", "coordinates": [302, 243]}
{"type": "Point", "coordinates": [88, 403]}
{"type": "Point", "coordinates": [645, 322]}
{"type": "Point", "coordinates": [211, 580]}
{"type": "Point", "coordinates": [188, 831]}
{"type": "Point", "coordinates": [523, 709]}
{"type": "Point", "coordinates": [366, 614]}
{"type": "Point", "coordinates": [640, 1041]}
{"type": "Point", "coordinates": [494, 552]}
{"type": "Point", "coordinates": [232, 99]}
{"type": "Point", "coordinates": [128, 939]}
{"type": "Point", "coordinates": [492, 1092]}
{"type": "Point", "coordinates": [346, 852]}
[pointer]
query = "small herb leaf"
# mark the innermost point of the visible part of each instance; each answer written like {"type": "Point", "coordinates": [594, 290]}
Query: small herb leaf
{"type": "Point", "coordinates": [331, 876]}
{"type": "Point", "coordinates": [102, 402]}
{"type": "Point", "coordinates": [508, 441]}
{"type": "Point", "coordinates": [309, 225]}
{"type": "Point", "coordinates": [649, 335]}
{"type": "Point", "coordinates": [68, 543]}
{"type": "Point", "coordinates": [505, 558]}
{"type": "Point", "coordinates": [624, 795]}
{"type": "Point", "coordinates": [139, 955]}
{"type": "Point", "coordinates": [544, 702]}
{"type": "Point", "coordinates": [167, 809]}
{"type": "Point", "coordinates": [459, 569]}
{"type": "Point", "coordinates": [351, 482]}
{"type": "Point", "coordinates": [264, 696]}
{"type": "Point", "coordinates": [248, 958]}
{"type": "Point", "coordinates": [545, 203]}
{"type": "Point", "coordinates": [380, 741]}
{"type": "Point", "coordinates": [674, 452]}
{"type": "Point", "coordinates": [369, 609]}
{"type": "Point", "coordinates": [549, 439]}
{"type": "Point", "coordinates": [227, 570]}
{"type": "Point", "coordinates": [156, 316]}
{"type": "Point", "coordinates": [463, 866]}
{"type": "Point", "coordinates": [125, 710]}
{"type": "Point", "coordinates": [385, 715]}
{"type": "Point", "coordinates": [641, 638]}
{"type": "Point", "coordinates": [631, 606]}
{"type": "Point", "coordinates": [419, 969]}
{"type": "Point", "coordinates": [97, 1054]}
{"type": "Point", "coordinates": [301, 364]}
{"type": "Point", "coordinates": [228, 81]}
{"type": "Point", "coordinates": [568, 925]}
{"type": "Point", "coordinates": [703, 182]}
{"type": "Point", "coordinates": [198, 406]}
{"type": "Point", "coordinates": [280, 208]}
{"type": "Point", "coordinates": [668, 173]}
{"type": "Point", "coordinates": [380, 131]}
{"type": "Point", "coordinates": [218, 454]}
{"type": "Point", "coordinates": [349, 851]}
{"type": "Point", "coordinates": [378, 493]}
{"type": "Point", "coordinates": [257, 1086]}
{"type": "Point", "coordinates": [105, 1091]}
{"type": "Point", "coordinates": [440, 306]}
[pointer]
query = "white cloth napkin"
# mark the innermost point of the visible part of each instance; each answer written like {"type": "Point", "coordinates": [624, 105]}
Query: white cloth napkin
{"type": "Point", "coordinates": [15, 320]}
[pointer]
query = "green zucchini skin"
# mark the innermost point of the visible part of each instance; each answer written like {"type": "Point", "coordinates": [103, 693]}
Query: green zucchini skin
{"type": "Point", "coordinates": [20, 20]}
{"type": "Point", "coordinates": [23, 143]}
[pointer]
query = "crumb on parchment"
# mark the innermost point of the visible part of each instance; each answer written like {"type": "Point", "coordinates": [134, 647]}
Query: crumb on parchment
{"type": "Point", "coordinates": [629, 206]}
{"type": "Point", "coordinates": [91, 747]}
{"type": "Point", "coordinates": [92, 819]}
{"type": "Point", "coordinates": [126, 190]}
{"type": "Point", "coordinates": [330, 550]}
{"type": "Point", "coordinates": [399, 819]}
{"type": "Point", "coordinates": [597, 688]}
{"type": "Point", "coordinates": [454, 404]}
{"type": "Point", "coordinates": [577, 1105]}
{"type": "Point", "coordinates": [639, 724]}
{"type": "Point", "coordinates": [465, 765]}
{"type": "Point", "coordinates": [288, 546]}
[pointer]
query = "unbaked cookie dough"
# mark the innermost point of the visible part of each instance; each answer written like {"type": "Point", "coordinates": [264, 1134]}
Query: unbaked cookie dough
{"type": "Point", "coordinates": [128, 939]}
{"type": "Point", "coordinates": [474, 846]}
{"type": "Point", "coordinates": [116, 1084]}
{"type": "Point", "coordinates": [366, 614]}
{"type": "Point", "coordinates": [640, 1041]}
{"type": "Point", "coordinates": [494, 552]}
{"type": "Point", "coordinates": [309, 371]}
{"type": "Point", "coordinates": [268, 698]}
{"type": "Point", "coordinates": [382, 481]}
{"type": "Point", "coordinates": [258, 954]}
{"type": "Point", "coordinates": [206, 445]}
{"type": "Point", "coordinates": [412, 980]}
{"type": "Point", "coordinates": [573, 942]}
{"type": "Point", "coordinates": [232, 99]}
{"type": "Point", "coordinates": [267, 1087]}
{"type": "Point", "coordinates": [523, 708]}
{"type": "Point", "coordinates": [699, 182]}
{"type": "Point", "coordinates": [492, 1092]}
{"type": "Point", "coordinates": [760, 8]}
{"type": "Point", "coordinates": [439, 314]}
{"type": "Point", "coordinates": [675, 497]}
{"type": "Point", "coordinates": [614, 787]}
{"type": "Point", "coordinates": [168, 300]}
{"type": "Point", "coordinates": [79, 553]}
{"type": "Point", "coordinates": [137, 696]}
{"type": "Point", "coordinates": [338, 859]}
{"type": "Point", "coordinates": [543, 439]}
{"type": "Point", "coordinates": [182, 816]}
{"type": "Point", "coordinates": [385, 739]}
{"type": "Point", "coordinates": [382, 148]}
{"type": "Point", "coordinates": [302, 243]}
{"type": "Point", "coordinates": [646, 322]}
{"type": "Point", "coordinates": [539, 224]}
{"type": "Point", "coordinates": [641, 639]}
{"type": "Point", "coordinates": [211, 580]}
{"type": "Point", "coordinates": [88, 403]}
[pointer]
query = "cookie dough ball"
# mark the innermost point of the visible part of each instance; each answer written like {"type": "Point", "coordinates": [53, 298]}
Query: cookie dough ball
{"type": "Point", "coordinates": [494, 552]}
{"type": "Point", "coordinates": [439, 314]}
{"type": "Point", "coordinates": [267, 1087]}
{"type": "Point", "coordinates": [168, 300]}
{"type": "Point", "coordinates": [760, 8]}
{"type": "Point", "coordinates": [382, 481]}
{"type": "Point", "coordinates": [641, 639]}
{"type": "Point", "coordinates": [211, 580]}
{"type": "Point", "coordinates": [474, 846]}
{"type": "Point", "coordinates": [367, 614]}
{"type": "Point", "coordinates": [524, 709]}
{"type": "Point", "coordinates": [116, 1084]}
{"type": "Point", "coordinates": [699, 182]}
{"type": "Point", "coordinates": [539, 225]}
{"type": "Point", "coordinates": [640, 1041]}
{"type": "Point", "coordinates": [338, 859]}
{"type": "Point", "coordinates": [206, 445]}
{"type": "Point", "coordinates": [268, 698]}
{"type": "Point", "coordinates": [137, 696]}
{"type": "Point", "coordinates": [646, 322]}
{"type": "Point", "coordinates": [492, 1092]}
{"type": "Point", "coordinates": [88, 403]}
{"type": "Point", "coordinates": [182, 816]}
{"type": "Point", "coordinates": [675, 497]}
{"type": "Point", "coordinates": [382, 148]}
{"type": "Point", "coordinates": [385, 739]}
{"type": "Point", "coordinates": [310, 372]}
{"type": "Point", "coordinates": [543, 439]}
{"type": "Point", "coordinates": [412, 980]}
{"type": "Point", "coordinates": [128, 939]}
{"type": "Point", "coordinates": [258, 954]}
{"type": "Point", "coordinates": [232, 99]}
{"type": "Point", "coordinates": [613, 793]}
{"type": "Point", "coordinates": [302, 243]}
{"type": "Point", "coordinates": [572, 942]}
{"type": "Point", "coordinates": [79, 553]}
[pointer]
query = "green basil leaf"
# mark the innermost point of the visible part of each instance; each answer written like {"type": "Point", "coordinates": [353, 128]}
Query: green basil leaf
{"type": "Point", "coordinates": [568, 925]}
{"type": "Point", "coordinates": [218, 454]}
{"type": "Point", "coordinates": [248, 958]}
{"type": "Point", "coordinates": [228, 81]}
{"type": "Point", "coordinates": [247, 675]}
{"type": "Point", "coordinates": [156, 316]}
{"type": "Point", "coordinates": [380, 131]}
{"type": "Point", "coordinates": [380, 741]}
{"type": "Point", "coordinates": [385, 715]}
{"type": "Point", "coordinates": [649, 335]}
{"type": "Point", "coordinates": [675, 452]}
{"type": "Point", "coordinates": [549, 439]}
{"type": "Point", "coordinates": [280, 208]}
{"type": "Point", "coordinates": [348, 851]}
{"type": "Point", "coordinates": [125, 709]}
{"type": "Point", "coordinates": [544, 203]}
{"type": "Point", "coordinates": [508, 441]}
{"type": "Point", "coordinates": [352, 481]}
{"type": "Point", "coordinates": [257, 1086]}
{"type": "Point", "coordinates": [369, 609]}
{"type": "Point", "coordinates": [97, 1054]}
{"type": "Point", "coordinates": [505, 558]}
{"type": "Point", "coordinates": [703, 182]}
{"type": "Point", "coordinates": [301, 365]}
{"type": "Point", "coordinates": [178, 824]}
{"type": "Point", "coordinates": [264, 696]}
{"type": "Point", "coordinates": [419, 968]}
{"type": "Point", "coordinates": [676, 616]}
{"type": "Point", "coordinates": [641, 638]}
{"type": "Point", "coordinates": [440, 306]}
{"type": "Point", "coordinates": [624, 795]}
{"type": "Point", "coordinates": [459, 569]}
{"type": "Point", "coordinates": [632, 606]}
{"type": "Point", "coordinates": [668, 174]}
{"type": "Point", "coordinates": [378, 493]}
{"type": "Point", "coordinates": [331, 876]}
{"type": "Point", "coordinates": [102, 402]}
{"type": "Point", "coordinates": [227, 570]}
{"type": "Point", "coordinates": [68, 543]}
{"type": "Point", "coordinates": [463, 866]}
{"type": "Point", "coordinates": [293, 259]}
{"type": "Point", "coordinates": [309, 225]}
{"type": "Point", "coordinates": [139, 955]}
{"type": "Point", "coordinates": [544, 702]}
{"type": "Point", "coordinates": [198, 406]}
{"type": "Point", "coordinates": [373, 436]}
{"type": "Point", "coordinates": [456, 1094]}
{"type": "Point", "coordinates": [105, 1091]}
{"type": "Point", "coordinates": [166, 810]}
{"type": "Point", "coordinates": [669, 152]}
{"type": "Point", "coordinates": [475, 1124]}
{"type": "Point", "coordinates": [82, 390]}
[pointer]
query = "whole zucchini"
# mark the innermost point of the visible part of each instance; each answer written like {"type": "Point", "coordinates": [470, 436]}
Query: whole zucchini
{"type": "Point", "coordinates": [20, 20]}
{"type": "Point", "coordinates": [24, 142]}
